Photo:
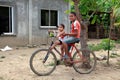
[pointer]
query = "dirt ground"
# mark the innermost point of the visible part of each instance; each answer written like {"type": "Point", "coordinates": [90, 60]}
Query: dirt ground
{"type": "Point", "coordinates": [14, 65]}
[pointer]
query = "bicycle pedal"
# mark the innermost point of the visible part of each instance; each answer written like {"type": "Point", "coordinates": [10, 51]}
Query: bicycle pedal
{"type": "Point", "coordinates": [68, 64]}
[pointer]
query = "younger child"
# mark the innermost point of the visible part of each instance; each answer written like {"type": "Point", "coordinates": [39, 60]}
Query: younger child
{"type": "Point", "coordinates": [60, 37]}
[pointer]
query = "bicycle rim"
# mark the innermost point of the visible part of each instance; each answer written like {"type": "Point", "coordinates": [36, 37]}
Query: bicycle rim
{"type": "Point", "coordinates": [37, 65]}
{"type": "Point", "coordinates": [86, 65]}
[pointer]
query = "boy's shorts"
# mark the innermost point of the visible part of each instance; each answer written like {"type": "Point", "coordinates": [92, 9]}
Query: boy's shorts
{"type": "Point", "coordinates": [71, 40]}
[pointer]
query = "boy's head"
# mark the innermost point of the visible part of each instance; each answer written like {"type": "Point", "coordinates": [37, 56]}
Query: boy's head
{"type": "Point", "coordinates": [72, 16]}
{"type": "Point", "coordinates": [61, 27]}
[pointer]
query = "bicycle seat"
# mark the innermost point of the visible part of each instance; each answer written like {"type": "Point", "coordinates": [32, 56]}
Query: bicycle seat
{"type": "Point", "coordinates": [77, 41]}
{"type": "Point", "coordinates": [73, 43]}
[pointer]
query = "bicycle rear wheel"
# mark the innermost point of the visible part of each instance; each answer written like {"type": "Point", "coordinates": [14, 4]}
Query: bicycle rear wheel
{"type": "Point", "coordinates": [37, 64]}
{"type": "Point", "coordinates": [85, 64]}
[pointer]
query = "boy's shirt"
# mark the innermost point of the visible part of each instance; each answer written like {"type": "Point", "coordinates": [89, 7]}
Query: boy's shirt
{"type": "Point", "coordinates": [76, 26]}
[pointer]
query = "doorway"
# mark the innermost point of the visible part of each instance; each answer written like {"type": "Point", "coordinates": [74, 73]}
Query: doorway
{"type": "Point", "coordinates": [5, 19]}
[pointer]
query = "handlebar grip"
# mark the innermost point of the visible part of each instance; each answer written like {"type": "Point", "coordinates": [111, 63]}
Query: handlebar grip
{"type": "Point", "coordinates": [51, 34]}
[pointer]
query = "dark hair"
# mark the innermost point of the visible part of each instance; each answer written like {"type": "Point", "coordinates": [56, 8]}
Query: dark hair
{"type": "Point", "coordinates": [63, 26]}
{"type": "Point", "coordinates": [73, 13]}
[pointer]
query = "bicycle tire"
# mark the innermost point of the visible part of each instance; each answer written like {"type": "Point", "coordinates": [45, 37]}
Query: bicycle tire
{"type": "Point", "coordinates": [41, 69]}
{"type": "Point", "coordinates": [80, 67]}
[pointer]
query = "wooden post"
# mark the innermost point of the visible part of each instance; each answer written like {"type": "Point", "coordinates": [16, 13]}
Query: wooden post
{"type": "Point", "coordinates": [111, 27]}
{"type": "Point", "coordinates": [97, 31]}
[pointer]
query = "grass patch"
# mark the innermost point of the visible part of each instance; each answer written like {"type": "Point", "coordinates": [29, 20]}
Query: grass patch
{"type": "Point", "coordinates": [94, 47]}
{"type": "Point", "coordinates": [118, 65]}
{"type": "Point", "coordinates": [58, 63]}
{"type": "Point", "coordinates": [114, 55]}
{"type": "Point", "coordinates": [1, 61]}
{"type": "Point", "coordinates": [51, 64]}
{"type": "Point", "coordinates": [118, 41]}
{"type": "Point", "coordinates": [1, 78]}
{"type": "Point", "coordinates": [105, 44]}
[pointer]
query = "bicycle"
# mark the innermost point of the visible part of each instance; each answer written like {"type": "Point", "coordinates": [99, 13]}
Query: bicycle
{"type": "Point", "coordinates": [44, 61]}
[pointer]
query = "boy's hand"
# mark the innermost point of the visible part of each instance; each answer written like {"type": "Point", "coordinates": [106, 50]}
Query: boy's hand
{"type": "Point", "coordinates": [65, 34]}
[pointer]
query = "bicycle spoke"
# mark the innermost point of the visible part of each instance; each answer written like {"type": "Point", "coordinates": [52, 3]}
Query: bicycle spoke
{"type": "Point", "coordinates": [86, 65]}
{"type": "Point", "coordinates": [38, 65]}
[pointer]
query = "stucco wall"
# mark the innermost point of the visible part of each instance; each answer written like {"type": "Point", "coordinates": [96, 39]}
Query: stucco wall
{"type": "Point", "coordinates": [21, 23]}
{"type": "Point", "coordinates": [40, 34]}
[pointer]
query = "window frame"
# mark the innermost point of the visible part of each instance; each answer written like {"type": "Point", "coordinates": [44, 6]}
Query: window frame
{"type": "Point", "coordinates": [12, 6]}
{"type": "Point", "coordinates": [49, 18]}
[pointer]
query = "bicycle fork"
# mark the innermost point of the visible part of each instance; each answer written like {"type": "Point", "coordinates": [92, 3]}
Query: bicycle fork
{"type": "Point", "coordinates": [47, 55]}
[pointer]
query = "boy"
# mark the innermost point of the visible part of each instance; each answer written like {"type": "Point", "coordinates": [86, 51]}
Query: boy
{"type": "Point", "coordinates": [74, 35]}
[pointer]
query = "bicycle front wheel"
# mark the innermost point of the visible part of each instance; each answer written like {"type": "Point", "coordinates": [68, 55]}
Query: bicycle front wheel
{"type": "Point", "coordinates": [37, 64]}
{"type": "Point", "coordinates": [85, 64]}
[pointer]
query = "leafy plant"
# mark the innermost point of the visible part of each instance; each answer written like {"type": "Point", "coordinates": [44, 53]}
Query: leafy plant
{"type": "Point", "coordinates": [94, 47]}
{"type": "Point", "coordinates": [105, 44]}
{"type": "Point", "coordinates": [118, 41]}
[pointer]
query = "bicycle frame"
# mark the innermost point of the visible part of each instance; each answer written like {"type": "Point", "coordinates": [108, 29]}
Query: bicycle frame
{"type": "Point", "coordinates": [70, 52]}
{"type": "Point", "coordinates": [73, 47]}
{"type": "Point", "coordinates": [78, 60]}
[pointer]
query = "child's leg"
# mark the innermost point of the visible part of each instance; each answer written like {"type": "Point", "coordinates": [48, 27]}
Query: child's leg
{"type": "Point", "coordinates": [62, 51]}
{"type": "Point", "coordinates": [56, 43]}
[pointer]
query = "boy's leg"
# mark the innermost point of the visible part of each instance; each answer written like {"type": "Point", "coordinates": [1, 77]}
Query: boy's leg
{"type": "Point", "coordinates": [68, 41]}
{"type": "Point", "coordinates": [65, 47]}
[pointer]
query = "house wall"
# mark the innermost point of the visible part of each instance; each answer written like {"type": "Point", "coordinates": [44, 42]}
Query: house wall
{"type": "Point", "coordinates": [40, 34]}
{"type": "Point", "coordinates": [20, 36]}
{"type": "Point", "coordinates": [22, 19]}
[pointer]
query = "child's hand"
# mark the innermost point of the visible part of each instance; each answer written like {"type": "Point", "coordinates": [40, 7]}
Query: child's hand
{"type": "Point", "coordinates": [49, 30]}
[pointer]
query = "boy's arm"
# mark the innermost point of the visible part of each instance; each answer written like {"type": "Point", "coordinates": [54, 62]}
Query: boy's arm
{"type": "Point", "coordinates": [72, 34]}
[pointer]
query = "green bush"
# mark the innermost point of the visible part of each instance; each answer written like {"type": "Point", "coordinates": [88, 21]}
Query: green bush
{"type": "Point", "coordinates": [94, 47]}
{"type": "Point", "coordinates": [118, 41]}
{"type": "Point", "coordinates": [108, 44]}
{"type": "Point", "coordinates": [105, 44]}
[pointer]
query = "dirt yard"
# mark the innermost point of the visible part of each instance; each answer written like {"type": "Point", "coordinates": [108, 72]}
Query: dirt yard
{"type": "Point", "coordinates": [14, 65]}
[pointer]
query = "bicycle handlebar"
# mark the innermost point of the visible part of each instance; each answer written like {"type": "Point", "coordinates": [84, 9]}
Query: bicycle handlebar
{"type": "Point", "coordinates": [52, 34]}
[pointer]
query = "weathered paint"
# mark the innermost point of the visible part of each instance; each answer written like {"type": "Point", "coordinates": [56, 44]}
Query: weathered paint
{"type": "Point", "coordinates": [26, 32]}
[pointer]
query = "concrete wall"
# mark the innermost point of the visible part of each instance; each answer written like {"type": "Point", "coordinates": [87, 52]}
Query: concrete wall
{"type": "Point", "coordinates": [21, 23]}
{"type": "Point", "coordinates": [40, 34]}
{"type": "Point", "coordinates": [20, 36]}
